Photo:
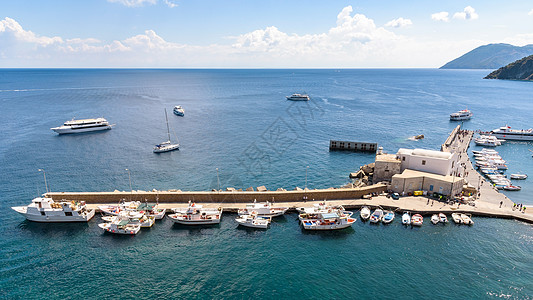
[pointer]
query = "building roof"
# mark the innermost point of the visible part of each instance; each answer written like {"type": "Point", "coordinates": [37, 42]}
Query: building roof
{"type": "Point", "coordinates": [407, 173]}
{"type": "Point", "coordinates": [387, 158]}
{"type": "Point", "coordinates": [425, 152]}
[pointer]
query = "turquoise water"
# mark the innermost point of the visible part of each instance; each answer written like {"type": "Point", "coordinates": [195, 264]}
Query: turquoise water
{"type": "Point", "coordinates": [238, 121]}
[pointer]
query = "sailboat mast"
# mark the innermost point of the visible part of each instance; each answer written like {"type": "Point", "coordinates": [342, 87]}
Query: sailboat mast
{"type": "Point", "coordinates": [168, 129]}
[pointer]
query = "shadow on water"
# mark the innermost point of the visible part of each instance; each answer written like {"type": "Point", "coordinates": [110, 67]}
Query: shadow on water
{"type": "Point", "coordinates": [329, 234]}
{"type": "Point", "coordinates": [53, 229]}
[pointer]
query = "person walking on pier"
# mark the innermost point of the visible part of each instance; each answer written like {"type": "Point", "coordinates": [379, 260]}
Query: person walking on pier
{"type": "Point", "coordinates": [501, 202]}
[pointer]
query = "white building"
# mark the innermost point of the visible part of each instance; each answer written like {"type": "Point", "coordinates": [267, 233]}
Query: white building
{"type": "Point", "coordinates": [430, 161]}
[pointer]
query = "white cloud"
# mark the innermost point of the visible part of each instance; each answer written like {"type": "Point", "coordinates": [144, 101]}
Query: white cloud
{"type": "Point", "coordinates": [13, 28]}
{"type": "Point", "coordinates": [530, 12]}
{"type": "Point", "coordinates": [469, 13]}
{"type": "Point", "coordinates": [170, 4]}
{"type": "Point", "coordinates": [400, 22]}
{"type": "Point", "coordinates": [134, 3]}
{"type": "Point", "coordinates": [440, 16]}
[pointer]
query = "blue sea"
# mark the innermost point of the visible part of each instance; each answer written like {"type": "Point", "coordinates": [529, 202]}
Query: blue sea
{"type": "Point", "coordinates": [238, 121]}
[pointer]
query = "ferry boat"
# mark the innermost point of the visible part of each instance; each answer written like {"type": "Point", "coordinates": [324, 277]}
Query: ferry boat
{"type": "Point", "coordinates": [298, 97]}
{"type": "Point", "coordinates": [506, 133]}
{"type": "Point", "coordinates": [253, 221]}
{"type": "Point", "coordinates": [166, 146]}
{"type": "Point", "coordinates": [196, 215]}
{"type": "Point", "coordinates": [461, 115]}
{"type": "Point", "coordinates": [179, 111]}
{"type": "Point", "coordinates": [85, 125]}
{"type": "Point", "coordinates": [121, 227]}
{"type": "Point", "coordinates": [329, 221]}
{"type": "Point", "coordinates": [263, 209]}
{"type": "Point", "coordinates": [46, 210]}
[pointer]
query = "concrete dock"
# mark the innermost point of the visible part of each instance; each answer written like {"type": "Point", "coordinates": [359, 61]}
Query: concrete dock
{"type": "Point", "coordinates": [487, 201]}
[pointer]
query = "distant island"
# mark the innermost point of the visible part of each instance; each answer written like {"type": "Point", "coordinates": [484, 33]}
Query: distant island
{"type": "Point", "coordinates": [521, 69]}
{"type": "Point", "coordinates": [491, 56]}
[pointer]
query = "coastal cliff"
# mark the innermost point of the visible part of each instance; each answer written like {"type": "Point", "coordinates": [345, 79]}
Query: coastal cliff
{"type": "Point", "coordinates": [491, 56]}
{"type": "Point", "coordinates": [521, 69]}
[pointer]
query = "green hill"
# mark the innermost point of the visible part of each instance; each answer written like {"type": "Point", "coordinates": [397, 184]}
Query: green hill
{"type": "Point", "coordinates": [521, 69]}
{"type": "Point", "coordinates": [491, 56]}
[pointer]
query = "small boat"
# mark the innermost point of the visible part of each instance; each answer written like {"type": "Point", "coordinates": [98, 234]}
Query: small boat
{"type": "Point", "coordinates": [133, 218]}
{"type": "Point", "coordinates": [298, 97]}
{"type": "Point", "coordinates": [435, 219]}
{"type": "Point", "coordinates": [417, 220]}
{"type": "Point", "coordinates": [388, 217]}
{"type": "Point", "coordinates": [518, 176]}
{"type": "Point", "coordinates": [365, 213]}
{"type": "Point", "coordinates": [263, 209]}
{"type": "Point", "coordinates": [512, 188]}
{"type": "Point", "coordinates": [406, 218]}
{"type": "Point", "coordinates": [196, 215]}
{"type": "Point", "coordinates": [46, 210]}
{"type": "Point", "coordinates": [85, 125]}
{"type": "Point", "coordinates": [179, 111]}
{"type": "Point", "coordinates": [464, 114]}
{"type": "Point", "coordinates": [443, 218]}
{"type": "Point", "coordinates": [457, 218]}
{"type": "Point", "coordinates": [328, 221]}
{"type": "Point", "coordinates": [121, 227]}
{"type": "Point", "coordinates": [166, 146]}
{"type": "Point", "coordinates": [319, 207]}
{"type": "Point", "coordinates": [376, 216]}
{"type": "Point", "coordinates": [466, 219]}
{"type": "Point", "coordinates": [253, 221]}
{"type": "Point", "coordinates": [136, 206]}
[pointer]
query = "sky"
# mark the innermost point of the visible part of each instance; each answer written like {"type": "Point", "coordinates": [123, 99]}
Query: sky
{"type": "Point", "coordinates": [254, 34]}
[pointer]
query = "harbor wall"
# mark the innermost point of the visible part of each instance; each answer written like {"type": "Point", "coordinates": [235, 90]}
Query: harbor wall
{"type": "Point", "coordinates": [220, 197]}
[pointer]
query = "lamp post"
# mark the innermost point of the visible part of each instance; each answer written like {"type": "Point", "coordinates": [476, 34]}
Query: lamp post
{"type": "Point", "coordinates": [45, 183]}
{"type": "Point", "coordinates": [306, 168]}
{"type": "Point", "coordinates": [218, 181]}
{"type": "Point", "coordinates": [131, 189]}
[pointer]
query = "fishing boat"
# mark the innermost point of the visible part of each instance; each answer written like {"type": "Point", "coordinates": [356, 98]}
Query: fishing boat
{"type": "Point", "coordinates": [435, 219]}
{"type": "Point", "coordinates": [443, 218]}
{"type": "Point", "coordinates": [464, 114]}
{"type": "Point", "coordinates": [319, 207]}
{"type": "Point", "coordinates": [121, 227]}
{"type": "Point", "coordinates": [467, 219]}
{"type": "Point", "coordinates": [376, 216]}
{"type": "Point", "coordinates": [406, 218]}
{"type": "Point", "coordinates": [417, 220]}
{"type": "Point", "coordinates": [84, 125]}
{"type": "Point", "coordinates": [263, 209]}
{"type": "Point", "coordinates": [196, 215]}
{"type": "Point", "coordinates": [298, 97]}
{"type": "Point", "coordinates": [365, 213]}
{"type": "Point", "coordinates": [512, 188]}
{"type": "Point", "coordinates": [179, 111]}
{"type": "Point", "coordinates": [166, 146]}
{"type": "Point", "coordinates": [133, 218]}
{"type": "Point", "coordinates": [46, 210]}
{"type": "Point", "coordinates": [148, 209]}
{"type": "Point", "coordinates": [328, 221]}
{"type": "Point", "coordinates": [457, 218]}
{"type": "Point", "coordinates": [253, 221]}
{"type": "Point", "coordinates": [388, 217]}
{"type": "Point", "coordinates": [518, 176]}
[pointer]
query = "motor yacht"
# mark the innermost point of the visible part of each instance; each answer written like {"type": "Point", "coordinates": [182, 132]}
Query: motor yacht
{"type": "Point", "coordinates": [298, 97]}
{"type": "Point", "coordinates": [179, 111]}
{"type": "Point", "coordinates": [46, 210]}
{"type": "Point", "coordinates": [84, 125]}
{"type": "Point", "coordinates": [461, 115]}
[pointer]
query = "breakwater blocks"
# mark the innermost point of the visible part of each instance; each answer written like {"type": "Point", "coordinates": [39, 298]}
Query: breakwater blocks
{"type": "Point", "coordinates": [352, 146]}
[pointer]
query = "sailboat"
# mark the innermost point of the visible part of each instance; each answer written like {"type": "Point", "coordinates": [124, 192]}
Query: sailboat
{"type": "Point", "coordinates": [166, 146]}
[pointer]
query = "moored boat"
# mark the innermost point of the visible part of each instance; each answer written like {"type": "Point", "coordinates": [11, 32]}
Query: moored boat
{"type": "Point", "coordinates": [196, 215]}
{"type": "Point", "coordinates": [328, 221]}
{"type": "Point", "coordinates": [518, 176]}
{"type": "Point", "coordinates": [388, 217]}
{"type": "Point", "coordinates": [435, 219]}
{"type": "Point", "coordinates": [253, 221]}
{"type": "Point", "coordinates": [319, 207]}
{"type": "Point", "coordinates": [457, 218]}
{"type": "Point", "coordinates": [443, 218]}
{"type": "Point", "coordinates": [263, 209]}
{"type": "Point", "coordinates": [417, 220]}
{"type": "Point", "coordinates": [133, 218]}
{"type": "Point", "coordinates": [365, 213]}
{"type": "Point", "coordinates": [506, 133]}
{"type": "Point", "coordinates": [376, 216]}
{"type": "Point", "coordinates": [467, 219]}
{"type": "Point", "coordinates": [406, 218]}
{"type": "Point", "coordinates": [121, 227]}
{"type": "Point", "coordinates": [512, 188]}
{"type": "Point", "coordinates": [46, 210]}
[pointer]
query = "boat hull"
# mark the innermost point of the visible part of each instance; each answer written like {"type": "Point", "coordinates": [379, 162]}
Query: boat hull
{"type": "Point", "coordinates": [313, 225]}
{"type": "Point", "coordinates": [59, 218]}
{"type": "Point", "coordinates": [167, 148]}
{"type": "Point", "coordinates": [60, 130]}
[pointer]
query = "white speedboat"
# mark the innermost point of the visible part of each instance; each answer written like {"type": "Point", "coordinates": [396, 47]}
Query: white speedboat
{"type": "Point", "coordinates": [457, 218]}
{"type": "Point", "coordinates": [298, 97]}
{"type": "Point", "coordinates": [376, 216]}
{"type": "Point", "coordinates": [506, 133]}
{"type": "Point", "coordinates": [388, 217]}
{"type": "Point", "coordinates": [253, 221]}
{"type": "Point", "coordinates": [168, 145]}
{"type": "Point", "coordinates": [518, 176]}
{"type": "Point", "coordinates": [85, 125]}
{"type": "Point", "coordinates": [121, 227]}
{"type": "Point", "coordinates": [435, 219]}
{"type": "Point", "coordinates": [196, 215]}
{"type": "Point", "coordinates": [406, 218]}
{"type": "Point", "coordinates": [328, 221]}
{"type": "Point", "coordinates": [179, 111]}
{"type": "Point", "coordinates": [461, 115]}
{"type": "Point", "coordinates": [46, 210]}
{"type": "Point", "coordinates": [417, 220]}
{"type": "Point", "coordinates": [443, 218]}
{"type": "Point", "coordinates": [467, 219]}
{"type": "Point", "coordinates": [263, 209]}
{"type": "Point", "coordinates": [365, 213]}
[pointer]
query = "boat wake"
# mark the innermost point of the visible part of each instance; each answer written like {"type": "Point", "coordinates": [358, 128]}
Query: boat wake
{"type": "Point", "coordinates": [326, 101]}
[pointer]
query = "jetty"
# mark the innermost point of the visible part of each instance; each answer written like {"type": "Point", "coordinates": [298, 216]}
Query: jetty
{"type": "Point", "coordinates": [487, 200]}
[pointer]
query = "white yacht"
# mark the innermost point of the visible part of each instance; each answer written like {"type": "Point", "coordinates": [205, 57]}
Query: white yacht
{"type": "Point", "coordinates": [196, 215]}
{"type": "Point", "coordinates": [461, 115]}
{"type": "Point", "coordinates": [43, 209]}
{"type": "Point", "coordinates": [85, 125]}
{"type": "Point", "coordinates": [166, 146]}
{"type": "Point", "coordinates": [263, 209]}
{"type": "Point", "coordinates": [179, 111]}
{"type": "Point", "coordinates": [298, 97]}
{"type": "Point", "coordinates": [329, 221]}
{"type": "Point", "coordinates": [506, 133]}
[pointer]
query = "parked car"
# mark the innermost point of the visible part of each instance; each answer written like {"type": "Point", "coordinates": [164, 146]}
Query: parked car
{"type": "Point", "coordinates": [395, 196]}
